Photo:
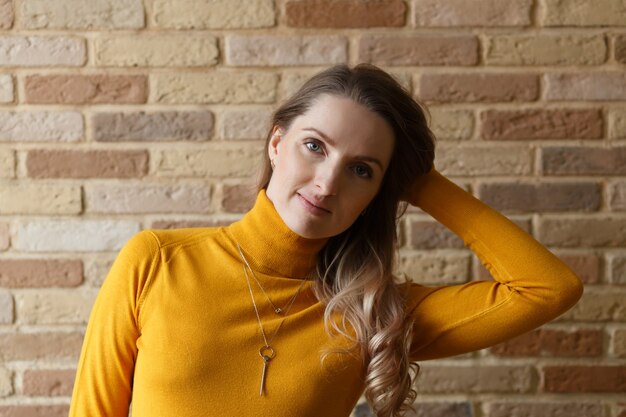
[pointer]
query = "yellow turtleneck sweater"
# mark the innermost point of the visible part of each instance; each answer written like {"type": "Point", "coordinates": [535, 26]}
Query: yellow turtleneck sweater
{"type": "Point", "coordinates": [173, 328]}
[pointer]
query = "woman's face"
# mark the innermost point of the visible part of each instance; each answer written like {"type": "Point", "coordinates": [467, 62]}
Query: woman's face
{"type": "Point", "coordinates": [329, 166]}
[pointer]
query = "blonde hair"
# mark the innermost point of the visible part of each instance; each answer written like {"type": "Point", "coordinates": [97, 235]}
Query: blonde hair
{"type": "Point", "coordinates": [355, 268]}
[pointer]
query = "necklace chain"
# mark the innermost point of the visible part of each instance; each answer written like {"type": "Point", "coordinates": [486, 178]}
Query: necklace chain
{"type": "Point", "coordinates": [266, 351]}
{"type": "Point", "coordinates": [276, 309]}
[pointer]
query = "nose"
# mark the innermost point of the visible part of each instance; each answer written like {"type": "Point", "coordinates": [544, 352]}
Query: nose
{"type": "Point", "coordinates": [327, 179]}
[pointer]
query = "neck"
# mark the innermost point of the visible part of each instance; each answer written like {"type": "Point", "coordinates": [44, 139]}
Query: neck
{"type": "Point", "coordinates": [271, 246]}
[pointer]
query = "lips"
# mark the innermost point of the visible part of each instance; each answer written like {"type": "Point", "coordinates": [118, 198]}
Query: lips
{"type": "Point", "coordinates": [310, 203]}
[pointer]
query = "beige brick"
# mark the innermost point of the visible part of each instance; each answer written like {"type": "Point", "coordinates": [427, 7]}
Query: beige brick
{"type": "Point", "coordinates": [85, 89]}
{"type": "Point", "coordinates": [156, 51]}
{"type": "Point", "coordinates": [449, 124]}
{"type": "Point", "coordinates": [7, 163]}
{"type": "Point", "coordinates": [79, 14]}
{"type": "Point", "coordinates": [599, 305]}
{"type": "Point", "coordinates": [216, 14]}
{"type": "Point", "coordinates": [489, 87]}
{"type": "Point", "coordinates": [245, 124]}
{"type": "Point", "coordinates": [227, 160]}
{"type": "Point", "coordinates": [182, 224]}
{"type": "Point", "coordinates": [447, 13]}
{"type": "Point", "coordinates": [268, 50]}
{"type": "Point", "coordinates": [345, 14]}
{"type": "Point", "coordinates": [40, 51]}
{"type": "Point", "coordinates": [213, 87]}
{"type": "Point", "coordinates": [42, 163]}
{"type": "Point", "coordinates": [6, 310]}
{"type": "Point", "coordinates": [460, 160]}
{"type": "Point", "coordinates": [616, 269]}
{"type": "Point", "coordinates": [96, 269]}
{"type": "Point", "coordinates": [40, 199]}
{"type": "Point", "coordinates": [146, 198]}
{"type": "Point", "coordinates": [620, 49]}
{"type": "Point", "coordinates": [575, 160]}
{"type": "Point", "coordinates": [238, 198]}
{"type": "Point", "coordinates": [583, 13]}
{"type": "Point", "coordinates": [6, 88]}
{"type": "Point", "coordinates": [6, 382]}
{"type": "Point", "coordinates": [566, 49]}
{"type": "Point", "coordinates": [541, 197]}
{"type": "Point", "coordinates": [48, 382]}
{"type": "Point", "coordinates": [617, 196]}
{"type": "Point", "coordinates": [4, 236]}
{"type": "Point", "coordinates": [590, 86]}
{"type": "Point", "coordinates": [418, 50]}
{"type": "Point", "coordinates": [617, 123]}
{"type": "Point", "coordinates": [432, 235]}
{"type": "Point", "coordinates": [37, 273]}
{"type": "Point", "coordinates": [585, 232]}
{"type": "Point", "coordinates": [529, 124]}
{"type": "Point", "coordinates": [31, 126]}
{"type": "Point", "coordinates": [545, 409]}
{"type": "Point", "coordinates": [441, 269]}
{"type": "Point", "coordinates": [73, 235]}
{"type": "Point", "coordinates": [474, 379]}
{"type": "Point", "coordinates": [152, 126]}
{"type": "Point", "coordinates": [34, 410]}
{"type": "Point", "coordinates": [6, 14]}
{"type": "Point", "coordinates": [290, 82]}
{"type": "Point", "coordinates": [54, 306]}
{"type": "Point", "coordinates": [40, 346]}
{"type": "Point", "coordinates": [618, 348]}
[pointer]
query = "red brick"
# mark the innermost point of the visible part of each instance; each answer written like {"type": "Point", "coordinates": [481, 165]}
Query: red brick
{"type": "Point", "coordinates": [620, 49]}
{"type": "Point", "coordinates": [43, 163]}
{"type": "Point", "coordinates": [480, 13]}
{"type": "Point", "coordinates": [345, 13]}
{"type": "Point", "coordinates": [49, 383]}
{"type": "Point", "coordinates": [544, 197]}
{"type": "Point", "coordinates": [579, 160]}
{"type": "Point", "coordinates": [32, 346]}
{"type": "Point", "coordinates": [34, 410]}
{"type": "Point", "coordinates": [534, 408]}
{"type": "Point", "coordinates": [583, 86]}
{"type": "Point", "coordinates": [6, 14]}
{"type": "Point", "coordinates": [238, 198]}
{"type": "Point", "coordinates": [37, 273]}
{"type": "Point", "coordinates": [86, 89]}
{"type": "Point", "coordinates": [547, 342]}
{"type": "Point", "coordinates": [418, 50]}
{"type": "Point", "coordinates": [586, 267]}
{"type": "Point", "coordinates": [455, 88]}
{"type": "Point", "coordinates": [585, 379]}
{"type": "Point", "coordinates": [541, 124]}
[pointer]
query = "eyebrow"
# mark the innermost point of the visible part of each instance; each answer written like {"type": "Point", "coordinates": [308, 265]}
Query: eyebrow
{"type": "Point", "coordinates": [332, 142]}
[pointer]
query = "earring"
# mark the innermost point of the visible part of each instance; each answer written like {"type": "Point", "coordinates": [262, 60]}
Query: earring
{"type": "Point", "coordinates": [273, 164]}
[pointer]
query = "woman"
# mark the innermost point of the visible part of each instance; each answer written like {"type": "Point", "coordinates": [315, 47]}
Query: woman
{"type": "Point", "coordinates": [294, 310]}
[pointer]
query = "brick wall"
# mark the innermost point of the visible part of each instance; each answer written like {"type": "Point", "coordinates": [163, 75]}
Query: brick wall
{"type": "Point", "coordinates": [120, 115]}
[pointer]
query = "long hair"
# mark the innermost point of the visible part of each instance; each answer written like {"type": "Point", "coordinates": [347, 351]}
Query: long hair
{"type": "Point", "coordinates": [355, 268]}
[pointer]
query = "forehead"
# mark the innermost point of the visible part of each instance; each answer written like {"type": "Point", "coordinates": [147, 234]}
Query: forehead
{"type": "Point", "coordinates": [347, 122]}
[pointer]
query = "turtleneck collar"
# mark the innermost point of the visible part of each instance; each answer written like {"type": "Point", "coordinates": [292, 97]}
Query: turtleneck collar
{"type": "Point", "coordinates": [270, 246]}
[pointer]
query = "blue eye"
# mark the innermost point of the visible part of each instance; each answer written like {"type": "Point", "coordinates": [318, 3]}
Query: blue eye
{"type": "Point", "coordinates": [313, 146]}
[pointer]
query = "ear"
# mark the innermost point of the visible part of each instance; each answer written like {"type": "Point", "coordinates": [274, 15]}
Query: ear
{"type": "Point", "coordinates": [272, 147]}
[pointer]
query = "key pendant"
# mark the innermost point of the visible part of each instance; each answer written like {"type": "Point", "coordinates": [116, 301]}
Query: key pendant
{"type": "Point", "coordinates": [267, 354]}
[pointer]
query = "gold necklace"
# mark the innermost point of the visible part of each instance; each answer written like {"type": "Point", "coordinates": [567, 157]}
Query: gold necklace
{"type": "Point", "coordinates": [276, 309]}
{"type": "Point", "coordinates": [266, 351]}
